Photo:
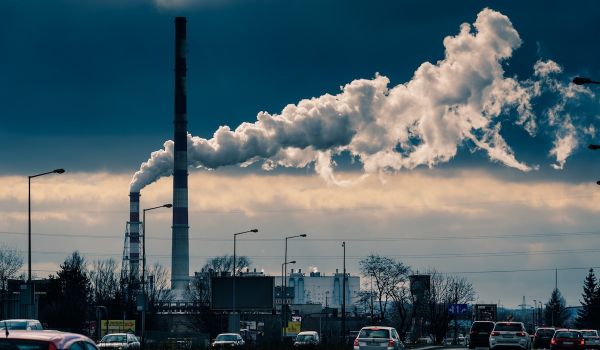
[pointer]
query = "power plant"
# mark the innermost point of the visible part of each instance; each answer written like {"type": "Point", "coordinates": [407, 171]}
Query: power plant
{"type": "Point", "coordinates": [180, 259]}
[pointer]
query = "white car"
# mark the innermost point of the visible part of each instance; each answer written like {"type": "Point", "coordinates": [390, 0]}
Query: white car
{"type": "Point", "coordinates": [592, 341]}
{"type": "Point", "coordinates": [509, 335]}
{"type": "Point", "coordinates": [377, 337]}
{"type": "Point", "coordinates": [21, 324]}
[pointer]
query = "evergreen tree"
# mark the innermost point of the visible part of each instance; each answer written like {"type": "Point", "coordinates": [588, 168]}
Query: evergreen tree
{"type": "Point", "coordinates": [556, 313]}
{"type": "Point", "coordinates": [586, 315]}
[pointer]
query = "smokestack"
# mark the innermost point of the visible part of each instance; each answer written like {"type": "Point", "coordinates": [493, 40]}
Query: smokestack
{"type": "Point", "coordinates": [180, 260]}
{"type": "Point", "coordinates": [134, 238]}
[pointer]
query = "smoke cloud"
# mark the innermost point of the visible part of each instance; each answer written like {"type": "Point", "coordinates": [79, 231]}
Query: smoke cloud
{"type": "Point", "coordinates": [458, 101]}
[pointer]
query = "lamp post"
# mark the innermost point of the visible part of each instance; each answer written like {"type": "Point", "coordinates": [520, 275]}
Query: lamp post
{"type": "Point", "coordinates": [583, 81]}
{"type": "Point", "coordinates": [344, 296]}
{"type": "Point", "coordinates": [234, 262]}
{"type": "Point", "coordinates": [55, 171]}
{"type": "Point", "coordinates": [169, 205]}
{"type": "Point", "coordinates": [285, 256]}
{"type": "Point", "coordinates": [31, 292]}
{"type": "Point", "coordinates": [283, 296]}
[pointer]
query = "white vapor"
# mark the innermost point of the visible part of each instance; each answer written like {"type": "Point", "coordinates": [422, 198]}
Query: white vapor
{"type": "Point", "coordinates": [460, 100]}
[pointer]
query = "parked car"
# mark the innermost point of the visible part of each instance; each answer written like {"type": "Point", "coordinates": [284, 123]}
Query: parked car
{"type": "Point", "coordinates": [21, 324]}
{"type": "Point", "coordinates": [425, 340]}
{"type": "Point", "coordinates": [567, 339]}
{"type": "Point", "coordinates": [509, 335]}
{"type": "Point", "coordinates": [228, 340]}
{"type": "Point", "coordinates": [44, 340]}
{"type": "Point", "coordinates": [119, 341]}
{"type": "Point", "coordinates": [592, 341]}
{"type": "Point", "coordinates": [380, 337]}
{"type": "Point", "coordinates": [479, 335]}
{"type": "Point", "coordinates": [542, 337]}
{"type": "Point", "coordinates": [308, 339]}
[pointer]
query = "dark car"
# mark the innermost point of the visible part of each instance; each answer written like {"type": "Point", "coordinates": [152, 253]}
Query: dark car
{"type": "Point", "coordinates": [542, 337]}
{"type": "Point", "coordinates": [228, 340]}
{"type": "Point", "coordinates": [567, 339]}
{"type": "Point", "coordinates": [44, 340]}
{"type": "Point", "coordinates": [479, 336]}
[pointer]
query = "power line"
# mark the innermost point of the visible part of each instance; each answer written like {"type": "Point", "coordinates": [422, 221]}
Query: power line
{"type": "Point", "coordinates": [374, 239]}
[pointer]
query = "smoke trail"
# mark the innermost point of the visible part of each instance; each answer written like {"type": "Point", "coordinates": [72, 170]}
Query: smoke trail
{"type": "Point", "coordinates": [460, 100]}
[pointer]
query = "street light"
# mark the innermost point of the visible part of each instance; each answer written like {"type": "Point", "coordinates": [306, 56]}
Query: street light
{"type": "Point", "coordinates": [169, 205]}
{"type": "Point", "coordinates": [583, 81]}
{"type": "Point", "coordinates": [344, 297]}
{"type": "Point", "coordinates": [283, 295]}
{"type": "Point", "coordinates": [285, 274]}
{"type": "Point", "coordinates": [55, 171]}
{"type": "Point", "coordinates": [234, 258]}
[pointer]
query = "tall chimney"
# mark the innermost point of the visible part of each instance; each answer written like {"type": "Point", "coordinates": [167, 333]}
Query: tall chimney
{"type": "Point", "coordinates": [134, 239]}
{"type": "Point", "coordinates": [180, 259]}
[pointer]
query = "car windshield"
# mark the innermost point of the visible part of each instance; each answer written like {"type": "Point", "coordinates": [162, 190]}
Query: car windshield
{"type": "Point", "coordinates": [568, 335]}
{"type": "Point", "coordinates": [14, 325]}
{"type": "Point", "coordinates": [545, 332]}
{"type": "Point", "coordinates": [19, 344]}
{"type": "Point", "coordinates": [305, 337]}
{"type": "Point", "coordinates": [114, 339]}
{"type": "Point", "coordinates": [374, 333]}
{"type": "Point", "coordinates": [508, 327]}
{"type": "Point", "coordinates": [482, 326]}
{"type": "Point", "coordinates": [589, 334]}
{"type": "Point", "coordinates": [226, 337]}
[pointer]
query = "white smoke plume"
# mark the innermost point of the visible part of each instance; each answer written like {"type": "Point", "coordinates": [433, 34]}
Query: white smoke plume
{"type": "Point", "coordinates": [460, 100]}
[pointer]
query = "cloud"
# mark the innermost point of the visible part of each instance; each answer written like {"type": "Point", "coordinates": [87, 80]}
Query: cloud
{"type": "Point", "coordinates": [461, 100]}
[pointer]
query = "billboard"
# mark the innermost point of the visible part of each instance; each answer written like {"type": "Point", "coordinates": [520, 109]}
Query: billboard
{"type": "Point", "coordinates": [252, 293]}
{"type": "Point", "coordinates": [486, 312]}
{"type": "Point", "coordinates": [420, 286]}
{"type": "Point", "coordinates": [117, 326]}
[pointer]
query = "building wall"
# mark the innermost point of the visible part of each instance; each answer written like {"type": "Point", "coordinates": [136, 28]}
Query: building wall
{"type": "Point", "coordinates": [324, 290]}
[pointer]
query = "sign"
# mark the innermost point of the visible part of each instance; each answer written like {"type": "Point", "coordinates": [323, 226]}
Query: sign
{"type": "Point", "coordinates": [293, 328]}
{"type": "Point", "coordinates": [486, 312]}
{"type": "Point", "coordinates": [117, 326]}
{"type": "Point", "coordinates": [457, 309]}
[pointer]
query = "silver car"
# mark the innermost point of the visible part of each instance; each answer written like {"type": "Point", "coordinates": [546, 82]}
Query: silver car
{"type": "Point", "coordinates": [378, 338]}
{"type": "Point", "coordinates": [21, 324]}
{"type": "Point", "coordinates": [119, 341]}
{"type": "Point", "coordinates": [509, 335]}
{"type": "Point", "coordinates": [592, 341]}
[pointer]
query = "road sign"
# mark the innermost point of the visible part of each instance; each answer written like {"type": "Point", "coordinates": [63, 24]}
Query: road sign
{"type": "Point", "coordinates": [457, 309]}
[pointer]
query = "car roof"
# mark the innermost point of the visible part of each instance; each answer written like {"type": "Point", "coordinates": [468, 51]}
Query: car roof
{"type": "Point", "coordinates": [57, 337]}
{"type": "Point", "coordinates": [308, 332]}
{"type": "Point", "coordinates": [228, 334]}
{"type": "Point", "coordinates": [376, 327]}
{"type": "Point", "coordinates": [118, 334]}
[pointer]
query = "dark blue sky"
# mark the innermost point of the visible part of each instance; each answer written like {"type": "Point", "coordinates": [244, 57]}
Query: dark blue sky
{"type": "Point", "coordinates": [87, 85]}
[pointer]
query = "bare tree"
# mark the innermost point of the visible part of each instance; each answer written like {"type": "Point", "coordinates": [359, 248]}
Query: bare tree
{"type": "Point", "coordinates": [104, 276]}
{"type": "Point", "coordinates": [159, 288]}
{"type": "Point", "coordinates": [11, 261]}
{"type": "Point", "coordinates": [389, 277]}
{"type": "Point", "coordinates": [224, 263]}
{"type": "Point", "coordinates": [446, 290]}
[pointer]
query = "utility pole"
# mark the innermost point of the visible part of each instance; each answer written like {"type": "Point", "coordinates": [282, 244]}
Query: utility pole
{"type": "Point", "coordinates": [344, 297]}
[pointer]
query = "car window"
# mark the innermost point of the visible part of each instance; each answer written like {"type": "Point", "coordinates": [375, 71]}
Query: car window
{"type": "Point", "coordinates": [545, 332]}
{"type": "Point", "coordinates": [565, 334]}
{"type": "Point", "coordinates": [226, 337]}
{"type": "Point", "coordinates": [77, 346]}
{"type": "Point", "coordinates": [89, 346]}
{"type": "Point", "coordinates": [508, 327]}
{"type": "Point", "coordinates": [482, 326]}
{"type": "Point", "coordinates": [374, 333]}
{"type": "Point", "coordinates": [19, 344]}
{"type": "Point", "coordinates": [589, 333]}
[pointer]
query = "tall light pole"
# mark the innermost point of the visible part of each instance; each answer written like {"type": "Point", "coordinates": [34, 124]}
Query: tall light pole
{"type": "Point", "coordinates": [144, 293]}
{"type": "Point", "coordinates": [344, 297]}
{"type": "Point", "coordinates": [55, 171]}
{"type": "Point", "coordinates": [285, 272]}
{"type": "Point", "coordinates": [283, 295]}
{"type": "Point", "coordinates": [234, 261]}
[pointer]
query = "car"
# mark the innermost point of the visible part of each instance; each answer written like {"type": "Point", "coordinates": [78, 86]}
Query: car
{"type": "Point", "coordinates": [228, 340]}
{"type": "Point", "coordinates": [380, 337]}
{"type": "Point", "coordinates": [425, 340]}
{"type": "Point", "coordinates": [21, 324]}
{"type": "Point", "coordinates": [567, 339]}
{"type": "Point", "coordinates": [542, 337]}
{"type": "Point", "coordinates": [479, 335]}
{"type": "Point", "coordinates": [44, 340]}
{"type": "Point", "coordinates": [592, 341]}
{"type": "Point", "coordinates": [509, 335]}
{"type": "Point", "coordinates": [307, 339]}
{"type": "Point", "coordinates": [119, 341]}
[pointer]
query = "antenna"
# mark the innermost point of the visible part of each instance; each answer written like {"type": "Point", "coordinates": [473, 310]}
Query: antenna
{"type": "Point", "coordinates": [6, 329]}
